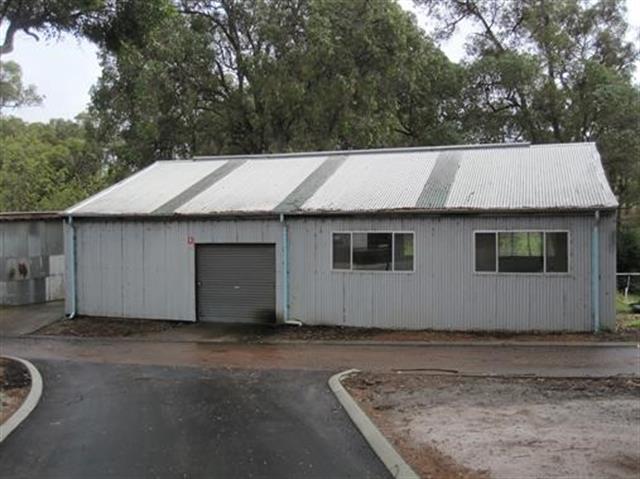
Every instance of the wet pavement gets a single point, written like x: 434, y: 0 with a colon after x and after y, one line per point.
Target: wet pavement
x: 139, y: 408
x: 19, y: 320
x: 552, y: 361
x: 131, y: 420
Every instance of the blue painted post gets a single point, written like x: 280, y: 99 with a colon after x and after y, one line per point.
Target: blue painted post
x: 595, y: 274
x: 285, y: 269
x: 72, y: 269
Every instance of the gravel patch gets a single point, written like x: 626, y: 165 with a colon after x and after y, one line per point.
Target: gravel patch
x: 451, y: 426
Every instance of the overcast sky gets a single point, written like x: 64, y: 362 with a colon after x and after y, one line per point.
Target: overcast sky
x: 64, y: 70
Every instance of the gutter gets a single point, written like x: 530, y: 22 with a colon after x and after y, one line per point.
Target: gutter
x: 595, y: 273
x: 72, y: 269
x: 380, y: 213
x: 285, y: 274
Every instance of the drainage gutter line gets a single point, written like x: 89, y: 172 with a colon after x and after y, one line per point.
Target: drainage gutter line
x: 71, y: 262
x: 595, y: 273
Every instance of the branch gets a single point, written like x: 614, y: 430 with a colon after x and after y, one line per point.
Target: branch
x: 31, y: 34
x: 7, y: 45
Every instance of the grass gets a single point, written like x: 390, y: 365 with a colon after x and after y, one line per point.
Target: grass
x: 627, y: 320
x: 633, y: 323
x: 623, y: 306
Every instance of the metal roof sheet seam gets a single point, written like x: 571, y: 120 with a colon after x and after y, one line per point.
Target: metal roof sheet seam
x: 516, y: 176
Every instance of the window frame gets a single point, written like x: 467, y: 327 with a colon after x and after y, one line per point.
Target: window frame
x: 373, y: 271
x: 544, y: 271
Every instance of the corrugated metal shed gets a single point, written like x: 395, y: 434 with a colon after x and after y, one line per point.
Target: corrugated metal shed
x: 518, y: 177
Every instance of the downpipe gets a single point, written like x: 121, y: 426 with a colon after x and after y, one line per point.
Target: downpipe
x: 595, y: 273
x: 72, y: 269
x: 285, y: 274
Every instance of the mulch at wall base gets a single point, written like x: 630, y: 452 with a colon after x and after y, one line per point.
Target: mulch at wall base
x: 248, y: 333
x: 15, y: 383
x: 105, y: 327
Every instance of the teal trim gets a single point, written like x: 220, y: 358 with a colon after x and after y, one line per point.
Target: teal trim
x: 285, y: 269
x: 72, y: 269
x: 595, y: 274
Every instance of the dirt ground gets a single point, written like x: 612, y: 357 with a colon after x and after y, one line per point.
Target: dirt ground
x: 327, y: 333
x: 478, y: 427
x: 15, y: 383
x: 107, y: 327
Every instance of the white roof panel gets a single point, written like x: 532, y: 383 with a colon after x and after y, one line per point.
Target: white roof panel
x: 374, y: 181
x: 257, y: 185
x: 148, y: 189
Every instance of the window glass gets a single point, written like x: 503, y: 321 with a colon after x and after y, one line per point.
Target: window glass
x: 485, y: 252
x: 372, y: 251
x: 557, y: 252
x: 403, y: 251
x: 341, y: 251
x: 520, y: 252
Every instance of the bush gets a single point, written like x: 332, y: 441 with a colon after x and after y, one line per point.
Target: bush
x: 628, y: 260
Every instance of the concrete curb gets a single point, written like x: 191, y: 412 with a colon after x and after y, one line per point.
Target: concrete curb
x: 397, y: 467
x: 300, y: 342
x: 29, y: 404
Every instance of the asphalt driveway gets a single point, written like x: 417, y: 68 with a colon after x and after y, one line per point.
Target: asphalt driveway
x: 114, y: 420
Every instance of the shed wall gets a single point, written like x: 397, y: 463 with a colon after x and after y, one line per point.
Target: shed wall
x: 31, y: 261
x: 136, y: 269
x: 444, y: 292
x: 141, y: 269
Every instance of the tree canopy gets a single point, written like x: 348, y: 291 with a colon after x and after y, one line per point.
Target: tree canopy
x: 47, y: 166
x: 551, y: 71
x: 184, y: 77
x: 250, y: 76
x: 13, y: 93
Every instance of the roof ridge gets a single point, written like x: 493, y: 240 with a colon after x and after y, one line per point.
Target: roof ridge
x: 412, y: 149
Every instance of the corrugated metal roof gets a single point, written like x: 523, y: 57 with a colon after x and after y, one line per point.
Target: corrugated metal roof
x: 372, y: 181
x: 256, y: 186
x: 466, y: 178
x: 148, y: 189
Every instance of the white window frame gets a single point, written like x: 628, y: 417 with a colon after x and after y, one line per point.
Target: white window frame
x: 366, y: 271
x: 544, y: 271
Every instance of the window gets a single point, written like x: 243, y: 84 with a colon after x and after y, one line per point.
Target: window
x: 522, y: 252
x: 485, y: 252
x: 403, y: 251
x: 557, y: 252
x: 372, y: 251
x: 341, y: 251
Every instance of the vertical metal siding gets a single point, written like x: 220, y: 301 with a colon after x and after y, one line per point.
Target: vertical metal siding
x: 136, y: 269
x: 444, y: 292
x: 608, y: 270
x: 147, y: 269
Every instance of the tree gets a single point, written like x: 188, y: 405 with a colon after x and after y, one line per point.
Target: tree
x: 13, y: 93
x: 628, y: 260
x: 47, y: 166
x: 109, y: 23
x: 248, y: 76
x: 551, y: 71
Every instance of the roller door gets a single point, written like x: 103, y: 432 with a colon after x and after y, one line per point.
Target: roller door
x: 236, y: 282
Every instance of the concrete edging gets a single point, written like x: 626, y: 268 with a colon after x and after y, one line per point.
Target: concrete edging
x: 397, y: 466
x: 28, y: 405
